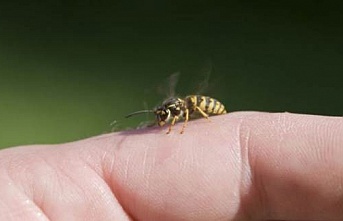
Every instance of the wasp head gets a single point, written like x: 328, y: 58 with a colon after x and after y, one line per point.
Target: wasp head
x: 162, y: 115
x: 169, y: 108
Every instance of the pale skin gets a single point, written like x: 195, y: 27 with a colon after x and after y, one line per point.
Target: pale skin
x: 239, y: 166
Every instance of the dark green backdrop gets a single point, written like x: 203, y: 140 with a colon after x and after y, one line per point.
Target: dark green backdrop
x: 69, y: 68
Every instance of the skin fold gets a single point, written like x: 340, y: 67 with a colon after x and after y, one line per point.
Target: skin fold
x: 239, y: 166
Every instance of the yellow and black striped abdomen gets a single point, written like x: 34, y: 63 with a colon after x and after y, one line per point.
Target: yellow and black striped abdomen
x: 208, y: 105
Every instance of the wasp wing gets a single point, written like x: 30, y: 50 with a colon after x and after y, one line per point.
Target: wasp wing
x: 168, y: 87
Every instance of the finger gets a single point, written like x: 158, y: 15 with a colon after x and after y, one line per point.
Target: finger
x: 56, y: 182
x: 157, y: 176
x: 297, y: 165
x: 239, y: 166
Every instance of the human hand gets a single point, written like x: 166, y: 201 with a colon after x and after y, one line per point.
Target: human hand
x: 240, y: 166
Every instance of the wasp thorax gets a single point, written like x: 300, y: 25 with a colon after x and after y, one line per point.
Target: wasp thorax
x: 174, y: 105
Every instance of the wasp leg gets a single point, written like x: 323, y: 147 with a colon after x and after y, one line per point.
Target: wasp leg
x: 186, y: 120
x: 203, y: 113
x: 172, y: 124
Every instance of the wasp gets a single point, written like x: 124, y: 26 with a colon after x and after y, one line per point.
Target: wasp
x: 174, y: 109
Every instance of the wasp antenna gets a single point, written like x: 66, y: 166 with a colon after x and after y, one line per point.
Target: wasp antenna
x: 139, y: 112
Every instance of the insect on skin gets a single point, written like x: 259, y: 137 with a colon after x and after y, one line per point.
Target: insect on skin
x: 173, y: 109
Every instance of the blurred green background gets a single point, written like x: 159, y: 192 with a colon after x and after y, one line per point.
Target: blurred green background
x: 69, y: 68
